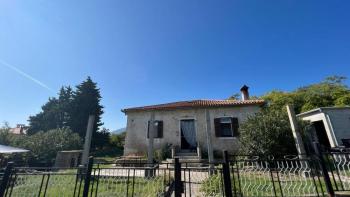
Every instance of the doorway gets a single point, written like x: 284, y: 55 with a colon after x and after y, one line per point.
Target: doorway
x: 188, y: 135
x: 322, y: 134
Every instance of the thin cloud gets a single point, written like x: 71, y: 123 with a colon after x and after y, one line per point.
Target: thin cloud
x: 26, y: 75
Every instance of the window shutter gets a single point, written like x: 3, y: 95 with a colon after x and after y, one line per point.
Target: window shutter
x: 217, y: 127
x: 148, y: 129
x: 160, y: 129
x: 235, y: 126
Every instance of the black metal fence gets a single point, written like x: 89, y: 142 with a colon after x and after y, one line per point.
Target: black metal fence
x: 235, y: 175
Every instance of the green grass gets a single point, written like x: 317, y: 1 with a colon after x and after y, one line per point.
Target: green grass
x: 257, y: 184
x: 64, y: 185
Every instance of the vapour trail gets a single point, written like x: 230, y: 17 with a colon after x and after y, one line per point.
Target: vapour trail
x: 12, y: 67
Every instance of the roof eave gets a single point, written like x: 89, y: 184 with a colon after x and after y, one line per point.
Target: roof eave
x: 190, y: 107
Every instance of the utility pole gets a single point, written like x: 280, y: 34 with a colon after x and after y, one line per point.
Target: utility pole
x: 151, y: 132
x: 208, y: 130
x: 87, y: 143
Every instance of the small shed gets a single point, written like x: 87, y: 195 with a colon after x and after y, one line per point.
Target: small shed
x: 332, y: 125
x: 68, y: 158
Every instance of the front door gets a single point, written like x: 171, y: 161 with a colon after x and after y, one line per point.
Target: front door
x: 188, y: 135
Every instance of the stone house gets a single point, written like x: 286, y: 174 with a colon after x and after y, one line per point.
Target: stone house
x: 19, y: 129
x: 332, y: 125
x: 190, y: 126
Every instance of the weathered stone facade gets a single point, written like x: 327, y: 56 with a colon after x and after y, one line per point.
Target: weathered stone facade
x: 137, y: 121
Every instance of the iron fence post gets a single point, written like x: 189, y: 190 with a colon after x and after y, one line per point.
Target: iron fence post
x: 88, y: 177
x: 6, y: 178
x: 177, y: 176
x: 326, y: 177
x: 226, y: 173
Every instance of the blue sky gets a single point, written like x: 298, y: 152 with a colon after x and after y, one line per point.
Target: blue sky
x: 149, y: 52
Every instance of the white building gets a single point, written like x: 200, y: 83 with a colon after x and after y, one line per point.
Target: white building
x: 332, y: 125
x: 190, y: 124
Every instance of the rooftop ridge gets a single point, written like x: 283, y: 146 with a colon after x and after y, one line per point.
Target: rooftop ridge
x: 197, y: 103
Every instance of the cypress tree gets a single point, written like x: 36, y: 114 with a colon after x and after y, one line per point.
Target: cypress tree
x: 86, y: 101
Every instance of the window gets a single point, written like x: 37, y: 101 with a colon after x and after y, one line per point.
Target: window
x: 226, y: 127
x: 158, y: 127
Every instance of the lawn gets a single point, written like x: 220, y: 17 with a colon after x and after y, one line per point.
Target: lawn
x: 65, y: 183
x: 260, y: 184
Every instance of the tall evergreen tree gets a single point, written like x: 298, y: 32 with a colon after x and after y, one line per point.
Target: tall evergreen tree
x: 86, y: 101
x: 55, y: 113
x: 47, y: 119
x: 65, y: 100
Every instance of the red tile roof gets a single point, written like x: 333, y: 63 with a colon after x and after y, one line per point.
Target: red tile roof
x: 196, y: 104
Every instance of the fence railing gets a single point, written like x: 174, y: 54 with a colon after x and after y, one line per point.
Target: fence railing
x: 265, y: 177
x: 235, y: 175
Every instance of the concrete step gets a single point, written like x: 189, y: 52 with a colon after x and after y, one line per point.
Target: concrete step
x: 186, y: 154
x: 187, y: 157
x: 342, y: 194
x: 189, y: 162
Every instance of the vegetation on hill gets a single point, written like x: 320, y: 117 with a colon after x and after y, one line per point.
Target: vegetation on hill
x: 269, y: 132
x: 330, y: 92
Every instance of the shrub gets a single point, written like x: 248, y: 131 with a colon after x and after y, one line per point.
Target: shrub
x: 43, y: 146
x: 268, y: 133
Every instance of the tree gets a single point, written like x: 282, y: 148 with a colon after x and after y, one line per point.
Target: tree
x: 55, y: 113
x: 86, y: 101
x: 47, y: 119
x: 101, y: 138
x: 45, y: 145
x: 330, y: 92
x: 42, y: 146
x: 267, y: 133
x: 118, y: 140
x: 65, y: 99
x: 4, y: 134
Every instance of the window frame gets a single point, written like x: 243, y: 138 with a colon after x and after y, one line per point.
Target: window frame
x: 235, y: 133
x: 157, y: 133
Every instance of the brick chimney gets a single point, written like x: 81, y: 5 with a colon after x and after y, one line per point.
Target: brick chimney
x: 245, y: 93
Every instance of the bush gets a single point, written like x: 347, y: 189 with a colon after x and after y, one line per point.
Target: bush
x: 43, y: 146
x: 163, y: 153
x: 268, y: 133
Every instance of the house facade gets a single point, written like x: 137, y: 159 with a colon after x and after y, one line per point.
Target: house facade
x: 331, y: 124
x: 189, y: 125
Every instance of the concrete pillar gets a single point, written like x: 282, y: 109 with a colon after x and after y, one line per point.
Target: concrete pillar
x: 151, y: 133
x: 330, y: 131
x: 208, y: 130
x: 87, y: 142
x: 296, y: 132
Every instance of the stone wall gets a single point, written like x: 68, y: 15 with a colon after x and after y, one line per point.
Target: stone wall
x: 136, y: 137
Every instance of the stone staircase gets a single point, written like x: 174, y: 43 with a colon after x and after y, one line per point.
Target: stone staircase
x: 191, y: 159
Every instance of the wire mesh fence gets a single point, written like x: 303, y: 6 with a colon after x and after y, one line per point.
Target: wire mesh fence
x: 338, y: 167
x: 131, y: 181
x: 45, y: 182
x: 246, y: 176
x: 252, y: 176
x: 202, y: 179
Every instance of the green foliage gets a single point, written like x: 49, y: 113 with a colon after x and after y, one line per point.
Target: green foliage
x: 5, y: 138
x: 212, y: 186
x: 113, y: 147
x: 330, y: 92
x: 72, y: 109
x: 267, y: 133
x: 43, y: 146
x: 63, y: 183
x: 163, y: 153
x: 117, y: 140
x: 86, y: 101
